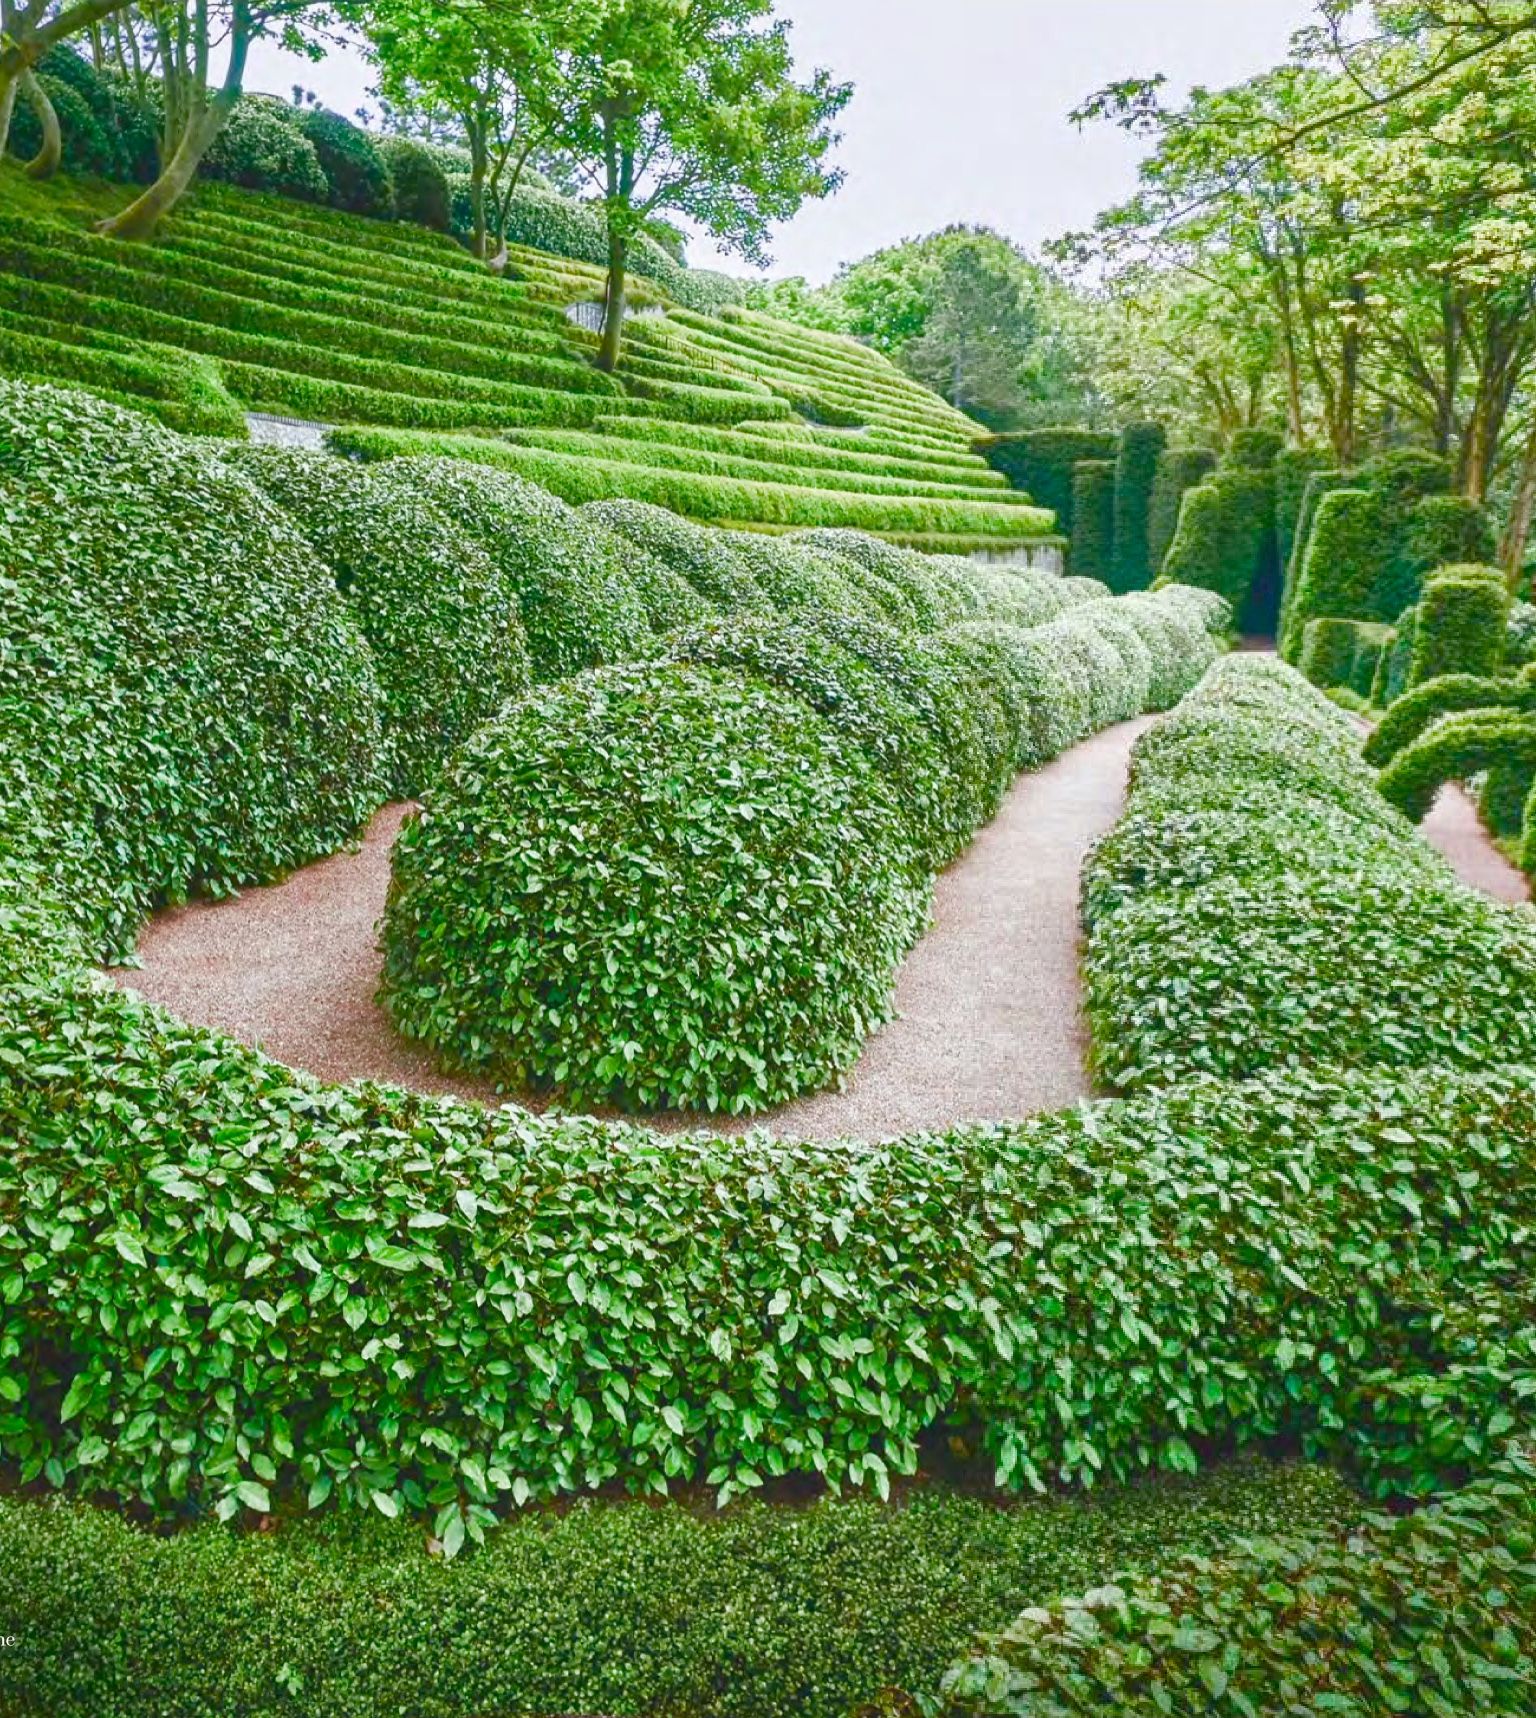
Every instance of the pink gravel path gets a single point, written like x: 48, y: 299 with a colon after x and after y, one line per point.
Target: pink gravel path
x: 989, y: 1024
x: 1456, y: 829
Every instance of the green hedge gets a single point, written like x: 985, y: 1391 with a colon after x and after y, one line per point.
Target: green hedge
x: 421, y: 188
x: 1225, y: 535
x: 357, y: 175
x: 261, y: 148
x: 445, y: 626
x: 1456, y: 747
x: 1178, y: 469
x: 1254, y: 449
x: 601, y: 1608
x: 1042, y: 463
x: 1348, y: 547
x: 189, y: 703
x: 1463, y: 616
x: 1141, y: 447
x: 652, y: 887
x: 1343, y: 653
x: 1295, y: 468
x: 1435, y: 1613
x: 1417, y: 710
x: 706, y: 559
x: 1305, y: 960
x: 1093, y: 519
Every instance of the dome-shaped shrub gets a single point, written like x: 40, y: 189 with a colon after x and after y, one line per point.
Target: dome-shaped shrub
x: 700, y: 553
x: 263, y: 149
x: 652, y: 886
x: 795, y: 576
x: 580, y: 608
x: 929, y: 589
x: 357, y: 174
x: 445, y: 627
x: 421, y: 186
x: 188, y: 703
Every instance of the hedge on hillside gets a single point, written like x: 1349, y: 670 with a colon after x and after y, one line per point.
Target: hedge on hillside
x: 357, y: 175
x: 1093, y: 519
x: 1456, y: 747
x: 1463, y: 616
x: 1178, y: 469
x: 847, y: 1598
x: 656, y: 887
x: 1308, y: 962
x: 1042, y: 462
x: 579, y: 606
x: 1141, y: 447
x: 1417, y: 710
x: 1225, y: 534
x: 421, y: 188
x: 189, y: 703
x: 445, y: 626
x: 1432, y: 1613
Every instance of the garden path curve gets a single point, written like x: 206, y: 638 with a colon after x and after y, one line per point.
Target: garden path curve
x: 989, y: 1024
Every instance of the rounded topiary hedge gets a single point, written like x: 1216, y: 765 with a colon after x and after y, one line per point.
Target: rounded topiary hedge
x: 699, y: 554
x: 188, y: 702
x: 652, y: 886
x: 579, y: 604
x: 446, y: 628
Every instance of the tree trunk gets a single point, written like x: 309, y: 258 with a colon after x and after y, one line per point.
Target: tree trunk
x: 7, y: 108
x: 478, y: 168
x: 48, y: 159
x: 1517, y: 534
x: 140, y: 219
x: 613, y: 312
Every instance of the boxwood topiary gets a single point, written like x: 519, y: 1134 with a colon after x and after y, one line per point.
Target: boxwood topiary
x: 1141, y: 447
x: 1179, y: 469
x: 652, y: 886
x: 446, y: 629
x: 1463, y: 616
x: 356, y: 173
x: 1456, y: 747
x: 580, y: 607
x: 1415, y: 711
x: 1093, y: 519
x: 932, y: 593
x: 421, y: 186
x: 188, y: 702
x: 1041, y: 462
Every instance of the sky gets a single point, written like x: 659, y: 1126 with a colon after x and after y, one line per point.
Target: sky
x: 960, y: 111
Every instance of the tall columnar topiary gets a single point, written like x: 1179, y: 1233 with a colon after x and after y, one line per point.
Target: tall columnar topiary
x: 1295, y: 468
x: 653, y: 886
x: 1093, y: 519
x: 1225, y: 536
x: 1318, y: 484
x: 1141, y: 445
x: 1347, y: 548
x: 1463, y: 615
x: 1179, y: 469
x: 1041, y: 462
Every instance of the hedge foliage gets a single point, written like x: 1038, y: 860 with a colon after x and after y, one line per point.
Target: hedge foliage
x: 445, y: 625
x: 1093, y: 519
x: 357, y: 175
x: 1225, y: 534
x: 1343, y: 653
x: 601, y: 1608
x: 1141, y: 448
x: 1043, y: 462
x: 1456, y: 747
x: 188, y: 701
x: 1462, y: 620
x: 1435, y: 1613
x: 707, y: 560
x: 1295, y: 467
x: 1299, y: 954
x: 1416, y: 711
x: 1178, y: 469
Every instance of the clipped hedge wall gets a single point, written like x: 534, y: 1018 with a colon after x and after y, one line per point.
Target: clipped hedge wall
x: 1141, y: 447
x: 1349, y: 545
x: 1225, y: 535
x: 1343, y: 653
x: 1462, y: 619
x: 1178, y: 469
x: 1456, y: 747
x: 1042, y: 463
x: 445, y: 626
x: 1295, y: 468
x: 1093, y: 519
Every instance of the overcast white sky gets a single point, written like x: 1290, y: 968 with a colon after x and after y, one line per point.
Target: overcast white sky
x: 961, y: 107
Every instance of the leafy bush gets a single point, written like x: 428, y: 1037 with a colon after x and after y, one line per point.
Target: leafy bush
x: 579, y: 606
x: 1456, y: 747
x: 1520, y: 637
x: 421, y: 187
x: 1141, y: 447
x: 356, y: 172
x: 1310, y: 963
x: 1437, y: 531
x: 88, y: 147
x: 1318, y: 484
x: 706, y: 559
x: 1042, y: 463
x: 1225, y: 535
x: 935, y: 597
x: 1178, y: 469
x: 1418, y: 710
x: 847, y: 1598
x: 189, y: 704
x: 656, y: 887
x: 1462, y: 619
x: 1432, y: 1613
x: 445, y: 626
x: 1093, y: 519
x: 1348, y: 549
x: 262, y: 148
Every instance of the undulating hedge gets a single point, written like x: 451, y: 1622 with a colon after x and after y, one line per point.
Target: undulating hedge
x: 605, y: 1607
x: 1435, y: 1613
x: 188, y: 700
x: 1462, y: 620
x: 1042, y: 463
x: 445, y: 624
x: 1178, y: 469
x: 1136, y: 466
x: 1093, y: 519
x: 1456, y: 747
x: 1301, y: 957
x: 706, y: 560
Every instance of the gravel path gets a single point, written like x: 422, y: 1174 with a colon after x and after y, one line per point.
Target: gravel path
x: 989, y: 1024
x: 1456, y: 829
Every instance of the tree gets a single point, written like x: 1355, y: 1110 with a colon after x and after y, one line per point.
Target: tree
x: 979, y: 329
x: 689, y: 106
x: 474, y: 60
x: 28, y: 29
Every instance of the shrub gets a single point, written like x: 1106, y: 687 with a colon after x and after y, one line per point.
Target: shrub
x: 1042, y: 463
x: 421, y: 187
x: 1462, y: 620
x: 1141, y: 447
x: 1254, y: 449
x: 357, y: 174
x: 847, y: 1598
x: 1437, y: 531
x: 579, y: 606
x: 88, y: 146
x: 1343, y: 653
x: 1404, y: 475
x: 263, y: 149
x: 1178, y: 469
x: 796, y: 576
x: 1396, y: 664
x: 1293, y: 1622
x: 1348, y: 547
x: 1225, y: 535
x: 1295, y: 468
x: 445, y: 626
x: 1318, y: 484
x: 1417, y: 710
x: 1310, y: 963
x: 657, y: 887
x: 934, y: 598
x: 1093, y: 519
x: 188, y: 703
x: 705, y: 558
x: 1456, y: 747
